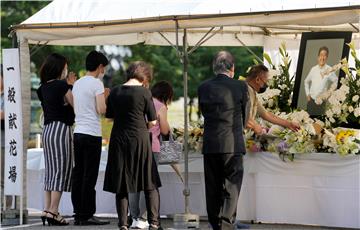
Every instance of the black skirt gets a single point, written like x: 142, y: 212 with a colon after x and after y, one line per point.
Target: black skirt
x: 131, y: 166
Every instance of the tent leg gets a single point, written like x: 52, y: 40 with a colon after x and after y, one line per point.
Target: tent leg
x: 186, y: 220
x: 186, y: 191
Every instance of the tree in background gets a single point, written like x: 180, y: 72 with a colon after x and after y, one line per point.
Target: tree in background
x: 15, y: 12
x: 167, y: 65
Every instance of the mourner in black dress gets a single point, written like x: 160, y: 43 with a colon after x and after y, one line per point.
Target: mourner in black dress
x: 131, y: 166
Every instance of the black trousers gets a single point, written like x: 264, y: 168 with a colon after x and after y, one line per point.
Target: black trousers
x: 87, y: 151
x: 315, y: 109
x: 223, y: 178
x: 152, y: 199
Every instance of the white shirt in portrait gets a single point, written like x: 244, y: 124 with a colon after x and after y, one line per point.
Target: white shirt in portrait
x: 315, y: 84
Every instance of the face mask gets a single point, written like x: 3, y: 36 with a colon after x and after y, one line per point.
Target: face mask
x: 64, y: 73
x: 232, y: 74
x: 263, y: 89
x: 101, y: 76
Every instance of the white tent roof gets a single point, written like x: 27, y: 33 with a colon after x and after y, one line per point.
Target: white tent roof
x: 124, y: 22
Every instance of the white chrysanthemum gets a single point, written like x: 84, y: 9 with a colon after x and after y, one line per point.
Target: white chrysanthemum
x: 344, y: 80
x: 289, y: 101
x: 301, y: 117
x: 275, y: 130
x: 310, y: 129
x: 344, y: 107
x: 329, y: 113
x: 273, y: 72
x: 357, y: 112
x: 327, y: 123
x: 261, y: 99
x: 271, y: 102
x: 355, y: 98
x: 337, y: 110
x: 329, y: 139
x: 318, y: 100
x: 344, y: 88
x: 351, y: 109
x: 333, y: 100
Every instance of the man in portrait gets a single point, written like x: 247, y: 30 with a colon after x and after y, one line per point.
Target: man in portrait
x: 319, y: 80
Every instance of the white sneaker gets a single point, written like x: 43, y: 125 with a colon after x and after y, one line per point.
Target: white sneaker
x: 139, y: 224
x: 134, y: 223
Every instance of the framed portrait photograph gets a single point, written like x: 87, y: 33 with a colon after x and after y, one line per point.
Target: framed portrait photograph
x: 316, y: 71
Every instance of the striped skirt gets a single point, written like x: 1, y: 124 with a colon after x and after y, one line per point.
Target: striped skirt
x: 57, y: 139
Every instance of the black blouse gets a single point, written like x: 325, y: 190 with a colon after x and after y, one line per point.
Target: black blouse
x: 52, y: 97
x: 131, y: 107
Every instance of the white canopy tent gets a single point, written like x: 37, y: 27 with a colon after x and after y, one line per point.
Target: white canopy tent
x: 92, y: 22
x: 197, y: 22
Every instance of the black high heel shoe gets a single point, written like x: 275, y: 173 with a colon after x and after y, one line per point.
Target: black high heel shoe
x: 56, y: 219
x: 43, y: 216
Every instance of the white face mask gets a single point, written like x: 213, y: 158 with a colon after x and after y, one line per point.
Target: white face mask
x: 101, y: 76
x: 64, y: 73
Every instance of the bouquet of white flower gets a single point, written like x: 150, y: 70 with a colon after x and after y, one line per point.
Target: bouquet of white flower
x: 195, y: 140
x: 279, y: 95
x: 343, y: 107
x: 342, y: 141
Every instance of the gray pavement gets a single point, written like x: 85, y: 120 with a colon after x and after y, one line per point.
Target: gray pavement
x: 35, y: 223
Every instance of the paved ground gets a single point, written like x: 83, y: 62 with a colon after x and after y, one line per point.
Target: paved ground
x: 34, y: 223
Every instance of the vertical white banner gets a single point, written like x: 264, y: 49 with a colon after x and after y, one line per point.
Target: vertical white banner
x: 13, y: 174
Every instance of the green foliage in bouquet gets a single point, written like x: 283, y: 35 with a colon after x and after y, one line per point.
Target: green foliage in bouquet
x: 282, y: 81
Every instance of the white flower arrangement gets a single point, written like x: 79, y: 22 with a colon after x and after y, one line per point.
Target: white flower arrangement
x: 269, y: 98
x: 342, y: 141
x: 281, y: 85
x: 195, y: 140
x: 343, y: 105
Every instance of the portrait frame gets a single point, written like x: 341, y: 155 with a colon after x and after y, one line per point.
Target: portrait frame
x: 310, y: 44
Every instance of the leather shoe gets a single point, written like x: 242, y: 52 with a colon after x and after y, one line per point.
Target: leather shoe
x: 93, y: 221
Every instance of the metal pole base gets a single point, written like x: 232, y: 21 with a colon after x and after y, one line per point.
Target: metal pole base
x: 186, y: 220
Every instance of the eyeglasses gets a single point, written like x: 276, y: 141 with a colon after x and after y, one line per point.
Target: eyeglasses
x: 263, y: 81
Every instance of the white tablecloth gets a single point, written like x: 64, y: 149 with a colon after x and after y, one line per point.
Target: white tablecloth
x: 317, y: 189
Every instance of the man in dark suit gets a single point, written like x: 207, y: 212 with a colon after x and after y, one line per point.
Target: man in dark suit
x: 222, y: 101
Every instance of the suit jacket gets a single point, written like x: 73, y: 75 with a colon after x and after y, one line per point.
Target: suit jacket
x: 222, y: 101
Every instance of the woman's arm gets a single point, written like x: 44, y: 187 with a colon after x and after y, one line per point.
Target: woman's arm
x: 151, y: 124
x: 164, y: 124
x: 69, y: 98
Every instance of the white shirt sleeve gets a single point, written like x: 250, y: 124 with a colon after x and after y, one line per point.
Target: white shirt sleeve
x: 99, y: 87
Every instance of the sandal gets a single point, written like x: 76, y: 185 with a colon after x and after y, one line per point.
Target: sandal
x: 43, y: 216
x: 56, y: 219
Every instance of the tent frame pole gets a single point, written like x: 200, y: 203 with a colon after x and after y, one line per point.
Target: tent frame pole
x: 187, y: 219
x: 185, y: 58
x: 205, y: 38
x: 37, y: 47
x: 248, y: 49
